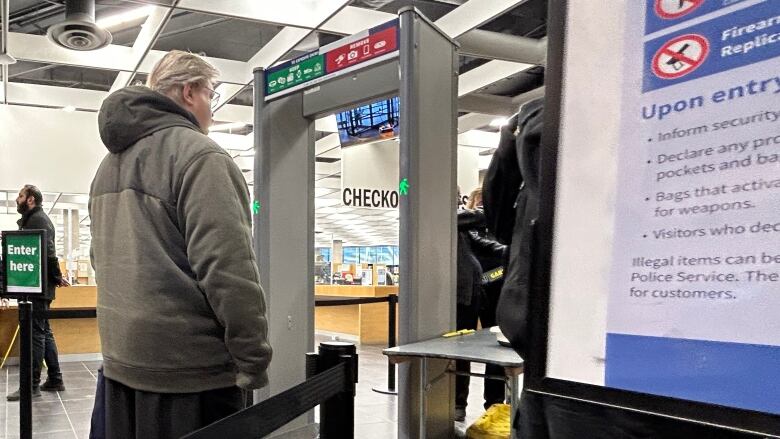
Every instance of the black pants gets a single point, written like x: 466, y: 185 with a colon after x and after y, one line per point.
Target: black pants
x: 494, y: 389
x: 44, y: 346
x: 467, y: 317
x: 134, y: 414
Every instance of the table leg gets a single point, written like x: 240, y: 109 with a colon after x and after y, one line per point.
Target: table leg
x: 514, y: 389
x: 423, y: 384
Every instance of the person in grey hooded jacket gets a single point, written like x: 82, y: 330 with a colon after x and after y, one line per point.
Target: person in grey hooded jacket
x: 181, y: 312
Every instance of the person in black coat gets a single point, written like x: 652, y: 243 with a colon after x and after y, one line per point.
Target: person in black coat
x: 29, y: 204
x: 471, y: 299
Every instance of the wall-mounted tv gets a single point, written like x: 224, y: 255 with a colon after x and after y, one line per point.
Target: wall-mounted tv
x: 368, y: 123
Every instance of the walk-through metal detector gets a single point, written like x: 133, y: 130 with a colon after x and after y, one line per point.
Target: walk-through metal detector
x: 418, y: 62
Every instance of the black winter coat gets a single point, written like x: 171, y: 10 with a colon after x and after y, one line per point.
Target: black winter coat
x: 469, y: 281
x: 510, y: 193
x: 476, y: 254
x: 489, y: 252
x: 36, y: 219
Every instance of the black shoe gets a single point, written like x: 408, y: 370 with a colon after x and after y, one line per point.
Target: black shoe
x: 460, y: 414
x: 36, y: 393
x: 53, y: 386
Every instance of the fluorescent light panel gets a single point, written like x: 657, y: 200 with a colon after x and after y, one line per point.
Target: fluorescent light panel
x: 117, y: 20
x: 228, y: 126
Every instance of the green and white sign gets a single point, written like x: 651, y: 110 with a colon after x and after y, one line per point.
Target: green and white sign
x: 23, y: 259
x: 299, y: 71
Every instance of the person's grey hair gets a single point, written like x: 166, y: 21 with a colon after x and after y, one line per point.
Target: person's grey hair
x: 178, y: 68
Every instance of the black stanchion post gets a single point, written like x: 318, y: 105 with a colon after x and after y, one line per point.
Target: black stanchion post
x: 25, y: 369
x: 392, y: 303
x: 337, y: 415
x: 391, y: 342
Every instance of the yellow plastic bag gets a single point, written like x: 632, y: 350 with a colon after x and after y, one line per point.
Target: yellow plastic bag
x: 493, y: 424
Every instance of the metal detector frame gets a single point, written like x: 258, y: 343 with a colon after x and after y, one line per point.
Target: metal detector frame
x: 424, y: 74
x: 536, y: 379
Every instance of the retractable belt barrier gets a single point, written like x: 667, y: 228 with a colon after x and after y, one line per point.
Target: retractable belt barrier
x: 392, y: 303
x: 54, y: 314
x: 331, y: 373
x: 350, y: 300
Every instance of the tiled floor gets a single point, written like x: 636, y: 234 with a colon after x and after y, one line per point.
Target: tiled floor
x: 56, y: 415
x: 66, y: 415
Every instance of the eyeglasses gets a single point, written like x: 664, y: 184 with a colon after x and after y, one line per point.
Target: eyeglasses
x: 214, y: 98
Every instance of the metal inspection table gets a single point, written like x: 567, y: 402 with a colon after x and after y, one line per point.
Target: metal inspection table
x: 479, y: 347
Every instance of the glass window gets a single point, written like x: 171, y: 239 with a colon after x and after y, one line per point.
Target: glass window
x: 351, y: 255
x: 370, y: 253
x: 384, y: 254
x: 322, y: 254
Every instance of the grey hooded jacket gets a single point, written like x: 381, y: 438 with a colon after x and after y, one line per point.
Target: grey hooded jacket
x: 180, y: 307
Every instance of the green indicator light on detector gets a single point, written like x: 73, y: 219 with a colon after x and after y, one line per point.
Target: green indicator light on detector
x: 255, y: 207
x: 403, y: 187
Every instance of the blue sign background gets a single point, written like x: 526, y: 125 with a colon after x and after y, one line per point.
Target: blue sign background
x: 712, y: 31
x: 732, y: 374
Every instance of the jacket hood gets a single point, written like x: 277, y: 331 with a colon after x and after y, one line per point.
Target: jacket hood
x: 133, y: 113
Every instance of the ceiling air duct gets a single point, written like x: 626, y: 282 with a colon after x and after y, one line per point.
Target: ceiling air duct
x: 79, y: 31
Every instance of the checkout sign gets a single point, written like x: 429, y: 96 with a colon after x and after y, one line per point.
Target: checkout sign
x: 23, y: 261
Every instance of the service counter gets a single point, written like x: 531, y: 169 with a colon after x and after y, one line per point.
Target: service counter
x: 73, y: 336
x: 367, y: 322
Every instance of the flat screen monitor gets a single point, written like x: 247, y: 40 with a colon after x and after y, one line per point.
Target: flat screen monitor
x: 369, y: 123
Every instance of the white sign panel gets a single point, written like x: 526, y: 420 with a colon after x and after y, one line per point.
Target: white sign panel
x: 695, y: 275
x: 369, y: 175
x: 665, y: 219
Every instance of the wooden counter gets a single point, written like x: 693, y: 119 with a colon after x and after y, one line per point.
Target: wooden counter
x: 73, y: 336
x: 366, y: 322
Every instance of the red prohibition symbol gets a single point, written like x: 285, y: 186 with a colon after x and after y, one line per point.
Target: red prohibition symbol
x: 680, y: 56
x: 671, y: 9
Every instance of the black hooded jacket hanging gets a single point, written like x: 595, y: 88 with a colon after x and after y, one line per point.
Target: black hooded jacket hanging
x: 510, y: 193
